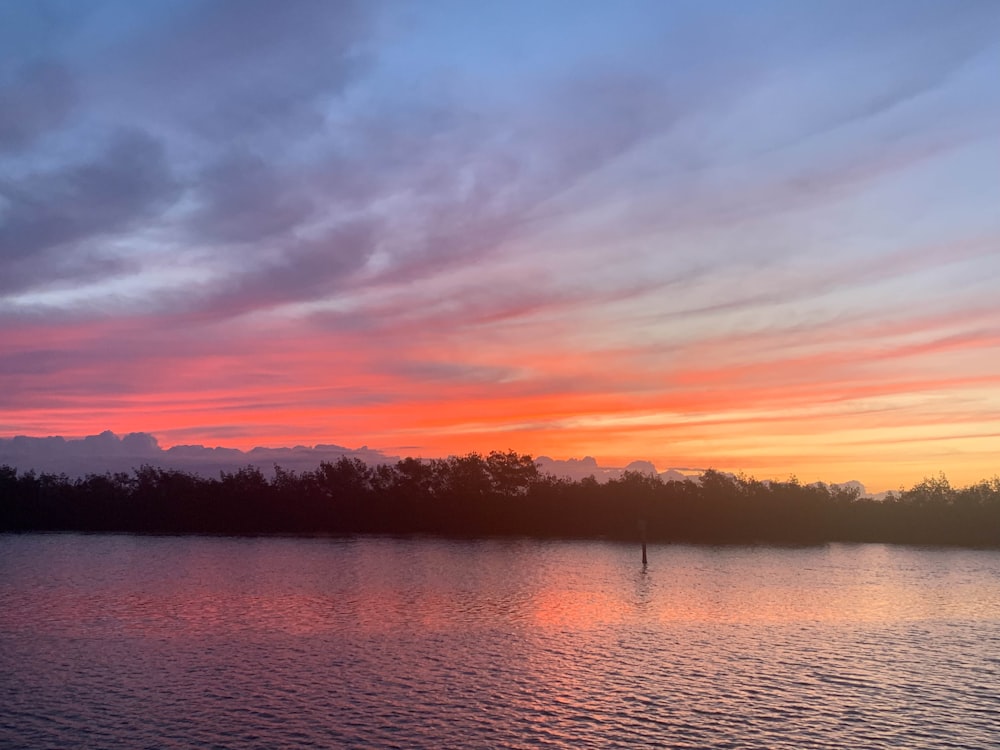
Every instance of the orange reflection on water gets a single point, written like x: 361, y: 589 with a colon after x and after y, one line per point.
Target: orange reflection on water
x: 386, y: 587
x: 840, y: 584
x: 561, y: 608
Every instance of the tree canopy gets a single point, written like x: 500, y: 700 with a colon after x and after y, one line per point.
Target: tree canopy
x: 497, y: 494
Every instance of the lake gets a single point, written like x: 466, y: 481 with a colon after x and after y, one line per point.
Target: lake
x: 182, y: 642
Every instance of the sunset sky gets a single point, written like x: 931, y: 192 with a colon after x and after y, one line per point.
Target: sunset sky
x: 754, y: 236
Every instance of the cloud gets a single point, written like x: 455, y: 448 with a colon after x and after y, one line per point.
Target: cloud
x: 107, y: 452
x: 424, y: 226
x: 300, y: 271
x: 232, y: 68
x: 468, y: 180
x: 456, y: 194
x: 243, y: 198
x: 97, y: 454
x: 38, y: 99
x: 128, y: 182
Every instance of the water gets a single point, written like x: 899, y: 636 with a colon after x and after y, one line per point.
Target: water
x: 184, y: 642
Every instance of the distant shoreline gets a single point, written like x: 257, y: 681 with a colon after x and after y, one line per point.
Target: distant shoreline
x: 499, y: 495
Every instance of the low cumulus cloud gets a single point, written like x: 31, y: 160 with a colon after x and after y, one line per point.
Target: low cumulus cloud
x: 97, y: 454
x: 107, y: 452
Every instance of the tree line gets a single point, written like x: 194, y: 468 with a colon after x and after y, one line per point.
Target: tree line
x: 500, y: 494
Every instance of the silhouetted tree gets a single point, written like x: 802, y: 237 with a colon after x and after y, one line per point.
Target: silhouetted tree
x: 502, y: 493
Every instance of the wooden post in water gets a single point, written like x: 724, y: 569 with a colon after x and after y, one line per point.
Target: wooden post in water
x: 642, y: 534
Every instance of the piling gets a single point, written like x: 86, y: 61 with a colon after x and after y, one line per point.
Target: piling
x: 642, y: 535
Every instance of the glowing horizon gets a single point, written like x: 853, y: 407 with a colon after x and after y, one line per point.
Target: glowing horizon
x: 679, y: 232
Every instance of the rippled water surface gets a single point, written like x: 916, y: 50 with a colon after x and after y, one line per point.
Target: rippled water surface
x: 176, y: 642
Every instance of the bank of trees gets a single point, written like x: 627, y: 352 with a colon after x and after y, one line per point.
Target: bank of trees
x: 497, y: 494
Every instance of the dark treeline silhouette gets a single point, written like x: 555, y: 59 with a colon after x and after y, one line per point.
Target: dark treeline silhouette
x: 500, y: 494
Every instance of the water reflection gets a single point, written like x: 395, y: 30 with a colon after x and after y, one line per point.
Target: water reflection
x: 643, y: 591
x: 313, y: 586
x: 424, y: 643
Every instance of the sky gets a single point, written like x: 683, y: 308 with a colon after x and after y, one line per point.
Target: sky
x: 753, y: 236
